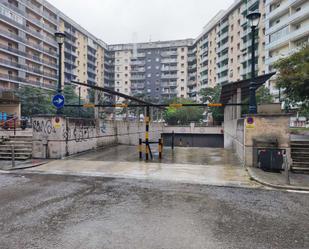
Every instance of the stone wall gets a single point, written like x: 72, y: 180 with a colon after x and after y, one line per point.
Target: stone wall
x: 193, y: 129
x: 234, y: 136
x: 266, y: 129
x: 70, y: 136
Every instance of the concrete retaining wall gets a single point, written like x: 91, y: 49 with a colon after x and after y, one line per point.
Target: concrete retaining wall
x: 234, y: 136
x: 193, y: 129
x: 70, y: 136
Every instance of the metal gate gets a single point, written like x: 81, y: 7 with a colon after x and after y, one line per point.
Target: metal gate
x: 194, y: 140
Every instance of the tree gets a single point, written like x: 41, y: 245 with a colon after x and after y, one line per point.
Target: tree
x: 35, y: 101
x: 293, y: 78
x: 263, y: 96
x: 183, y: 115
x: 212, y: 95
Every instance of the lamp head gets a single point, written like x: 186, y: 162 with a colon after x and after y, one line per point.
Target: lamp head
x: 254, y: 19
x: 60, y: 37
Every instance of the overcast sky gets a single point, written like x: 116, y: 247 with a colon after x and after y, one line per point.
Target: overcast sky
x: 116, y: 21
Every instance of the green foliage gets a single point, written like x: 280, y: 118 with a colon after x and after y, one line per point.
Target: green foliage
x: 293, y: 78
x: 35, y: 101
x: 263, y: 96
x: 212, y: 95
x: 183, y: 115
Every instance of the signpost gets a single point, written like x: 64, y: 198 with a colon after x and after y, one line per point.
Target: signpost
x: 58, y: 101
x: 250, y: 123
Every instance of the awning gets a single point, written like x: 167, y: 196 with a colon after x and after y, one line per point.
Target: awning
x: 230, y: 89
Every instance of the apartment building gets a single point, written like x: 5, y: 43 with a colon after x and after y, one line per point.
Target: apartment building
x: 223, y: 50
x: 156, y: 70
x: 287, y: 30
x: 29, y: 52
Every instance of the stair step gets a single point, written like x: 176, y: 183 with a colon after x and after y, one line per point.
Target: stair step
x: 16, y: 153
x: 301, y: 163
x: 17, y: 158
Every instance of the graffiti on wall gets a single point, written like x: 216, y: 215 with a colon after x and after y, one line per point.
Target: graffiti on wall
x: 43, y: 126
x: 79, y: 130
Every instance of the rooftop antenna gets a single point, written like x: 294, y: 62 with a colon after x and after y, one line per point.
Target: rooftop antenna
x: 134, y: 39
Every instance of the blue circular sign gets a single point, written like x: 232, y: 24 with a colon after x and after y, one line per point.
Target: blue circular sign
x: 58, y: 101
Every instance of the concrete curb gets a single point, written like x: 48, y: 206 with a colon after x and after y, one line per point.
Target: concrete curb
x: 256, y: 178
x: 26, y: 167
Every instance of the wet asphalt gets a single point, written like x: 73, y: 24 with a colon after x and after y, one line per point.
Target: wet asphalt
x: 45, y: 211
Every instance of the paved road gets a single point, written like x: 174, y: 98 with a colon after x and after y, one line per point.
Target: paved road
x: 65, y: 212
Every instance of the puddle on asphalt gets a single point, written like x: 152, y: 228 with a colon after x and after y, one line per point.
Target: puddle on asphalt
x: 180, y: 155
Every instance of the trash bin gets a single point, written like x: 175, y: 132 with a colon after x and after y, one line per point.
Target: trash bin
x: 267, y: 155
x: 23, y: 124
x: 270, y: 159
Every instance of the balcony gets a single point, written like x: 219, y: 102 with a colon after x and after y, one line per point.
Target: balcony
x: 138, y: 77
x: 204, y: 77
x: 222, y: 57
x: 141, y: 55
x: 168, y: 69
x: 169, y: 76
x: 26, y: 68
x: 284, y: 7
x: 295, y: 17
x: 286, y: 37
x: 169, y: 53
x: 27, y: 56
x: 167, y: 61
x: 169, y: 84
x: 17, y: 38
x: 24, y: 81
x: 222, y: 48
x: 223, y: 79
x: 138, y: 63
x: 222, y: 68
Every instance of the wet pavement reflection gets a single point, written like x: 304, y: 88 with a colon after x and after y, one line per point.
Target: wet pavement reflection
x: 187, y: 165
x: 186, y: 155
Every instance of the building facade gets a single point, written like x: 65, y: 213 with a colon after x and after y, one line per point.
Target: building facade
x: 154, y: 70
x: 287, y: 30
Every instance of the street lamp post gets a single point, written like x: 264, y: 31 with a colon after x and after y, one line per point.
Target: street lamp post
x: 60, y: 40
x: 253, y: 19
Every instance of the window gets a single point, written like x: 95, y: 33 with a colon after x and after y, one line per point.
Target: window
x: 182, y: 65
x: 149, y: 67
x: 126, y: 82
x: 182, y: 49
x: 232, y: 38
x: 182, y: 88
x: 126, y: 75
x: 149, y: 75
x: 125, y: 68
x: 149, y: 52
x: 182, y: 57
x: 157, y: 59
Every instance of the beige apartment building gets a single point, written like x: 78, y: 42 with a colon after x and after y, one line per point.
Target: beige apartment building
x: 287, y: 30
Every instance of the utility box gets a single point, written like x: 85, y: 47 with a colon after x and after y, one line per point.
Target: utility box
x: 270, y: 159
x: 267, y: 155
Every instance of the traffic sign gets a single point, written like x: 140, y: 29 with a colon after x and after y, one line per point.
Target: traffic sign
x: 58, y: 101
x: 250, y: 123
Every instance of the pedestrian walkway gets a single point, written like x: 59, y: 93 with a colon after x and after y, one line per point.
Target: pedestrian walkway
x: 185, y: 165
x: 278, y: 180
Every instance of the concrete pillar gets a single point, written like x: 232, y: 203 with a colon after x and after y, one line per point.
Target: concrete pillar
x: 238, y: 100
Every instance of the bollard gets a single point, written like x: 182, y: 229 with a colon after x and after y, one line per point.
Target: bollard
x: 286, y: 169
x: 140, y: 148
x: 160, y: 148
x: 13, y: 156
x: 147, y: 119
x: 173, y: 139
